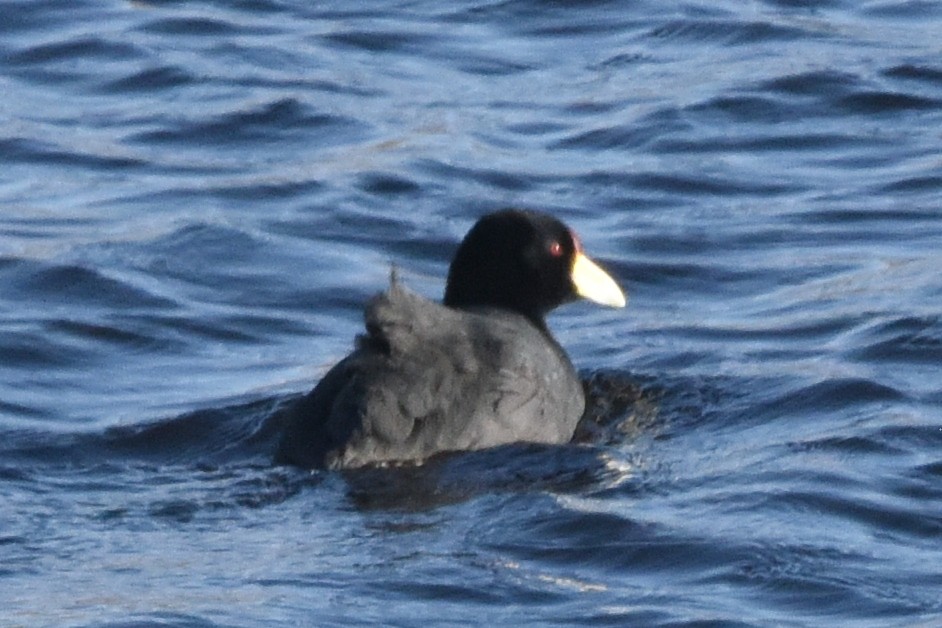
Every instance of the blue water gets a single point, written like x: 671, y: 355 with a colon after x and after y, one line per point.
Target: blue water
x: 198, y: 197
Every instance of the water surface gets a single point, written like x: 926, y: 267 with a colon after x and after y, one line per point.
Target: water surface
x: 198, y: 198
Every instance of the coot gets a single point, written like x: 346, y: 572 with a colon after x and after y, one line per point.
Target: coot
x: 480, y: 369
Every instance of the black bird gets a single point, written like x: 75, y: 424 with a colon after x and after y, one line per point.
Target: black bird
x: 477, y: 371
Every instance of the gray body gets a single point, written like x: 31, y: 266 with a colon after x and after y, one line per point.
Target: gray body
x: 426, y: 378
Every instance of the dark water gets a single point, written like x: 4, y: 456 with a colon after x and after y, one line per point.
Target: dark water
x: 197, y: 197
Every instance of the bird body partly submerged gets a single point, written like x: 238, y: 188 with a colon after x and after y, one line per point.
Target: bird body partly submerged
x: 425, y: 379
x: 479, y: 370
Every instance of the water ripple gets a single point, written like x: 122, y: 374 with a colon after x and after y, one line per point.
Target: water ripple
x: 84, y: 47
x: 75, y: 287
x: 259, y: 123
x: 730, y: 32
x: 903, y: 340
x: 834, y: 394
x: 191, y: 26
x: 29, y: 151
x: 150, y: 80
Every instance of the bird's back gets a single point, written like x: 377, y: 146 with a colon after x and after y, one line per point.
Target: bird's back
x: 426, y: 378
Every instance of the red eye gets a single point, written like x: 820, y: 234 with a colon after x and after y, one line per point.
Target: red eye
x: 556, y: 249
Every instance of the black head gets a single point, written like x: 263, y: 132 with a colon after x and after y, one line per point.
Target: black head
x: 526, y: 262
